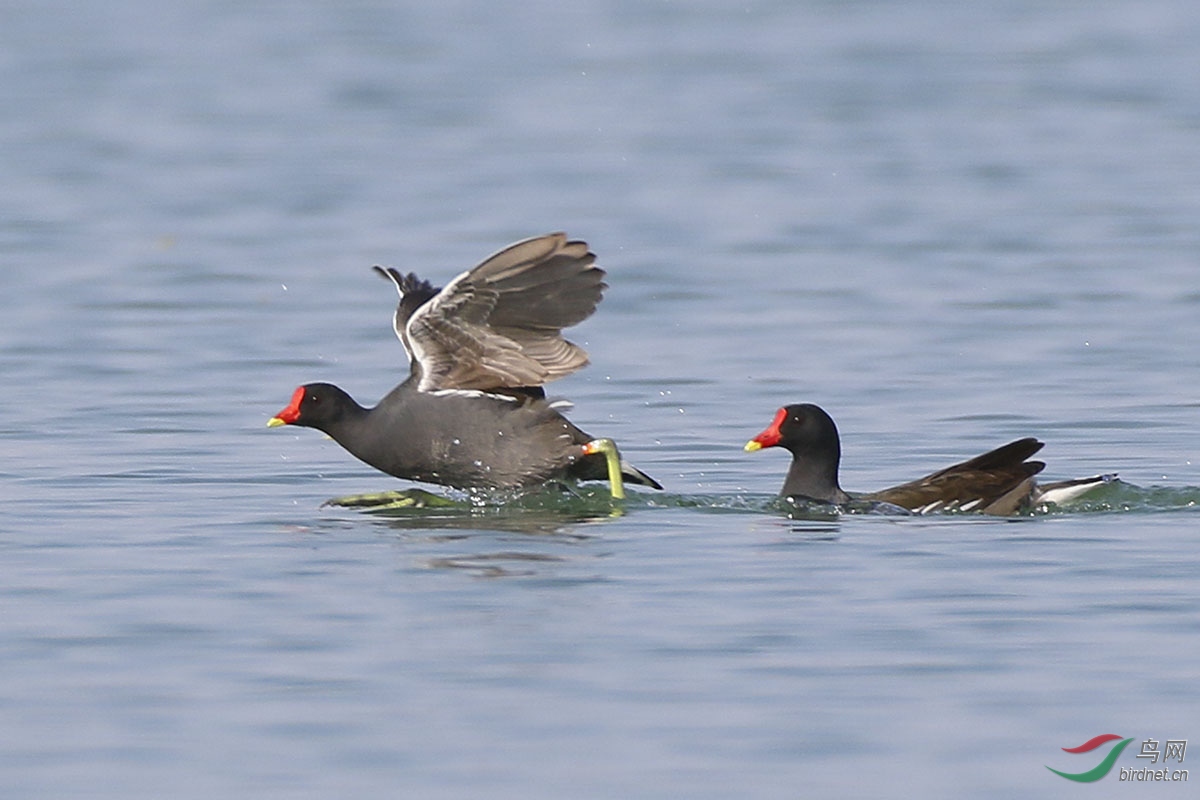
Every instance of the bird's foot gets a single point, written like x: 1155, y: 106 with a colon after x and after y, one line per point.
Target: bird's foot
x: 403, y: 498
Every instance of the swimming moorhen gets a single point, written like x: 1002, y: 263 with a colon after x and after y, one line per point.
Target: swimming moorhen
x: 472, y: 413
x: 999, y: 482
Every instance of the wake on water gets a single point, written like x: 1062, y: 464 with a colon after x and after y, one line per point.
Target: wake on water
x: 575, y: 503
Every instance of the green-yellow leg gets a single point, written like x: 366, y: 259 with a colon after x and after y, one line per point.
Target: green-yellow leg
x: 404, y: 498
x: 612, y: 457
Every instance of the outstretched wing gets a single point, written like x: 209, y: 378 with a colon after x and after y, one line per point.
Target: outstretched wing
x: 500, y: 324
x: 414, y: 293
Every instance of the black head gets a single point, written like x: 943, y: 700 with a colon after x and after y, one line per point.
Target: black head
x: 808, y: 433
x: 315, y: 405
x: 802, y: 429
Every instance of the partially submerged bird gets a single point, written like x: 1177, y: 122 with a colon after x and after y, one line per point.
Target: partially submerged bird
x: 999, y: 482
x: 472, y: 413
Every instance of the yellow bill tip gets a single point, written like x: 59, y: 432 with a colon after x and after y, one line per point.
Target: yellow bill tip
x: 275, y: 422
x: 751, y: 446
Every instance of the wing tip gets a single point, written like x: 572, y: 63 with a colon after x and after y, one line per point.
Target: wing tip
x: 405, y: 283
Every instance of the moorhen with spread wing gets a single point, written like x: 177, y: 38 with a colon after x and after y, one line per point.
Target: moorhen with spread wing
x: 472, y: 413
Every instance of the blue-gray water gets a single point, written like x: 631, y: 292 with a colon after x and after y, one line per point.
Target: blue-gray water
x: 951, y: 224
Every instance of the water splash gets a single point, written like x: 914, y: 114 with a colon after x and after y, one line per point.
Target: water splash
x: 583, y: 503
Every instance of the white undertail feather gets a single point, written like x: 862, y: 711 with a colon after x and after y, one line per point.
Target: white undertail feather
x: 1067, y: 491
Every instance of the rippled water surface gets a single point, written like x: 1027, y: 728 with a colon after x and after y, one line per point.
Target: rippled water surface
x: 950, y: 225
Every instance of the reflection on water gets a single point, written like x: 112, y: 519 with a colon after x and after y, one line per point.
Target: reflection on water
x: 495, y: 565
x: 567, y: 524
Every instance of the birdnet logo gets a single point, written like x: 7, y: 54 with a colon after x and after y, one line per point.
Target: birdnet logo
x: 1171, y: 749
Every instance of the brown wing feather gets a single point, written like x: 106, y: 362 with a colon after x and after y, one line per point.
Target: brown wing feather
x: 984, y: 479
x: 500, y: 324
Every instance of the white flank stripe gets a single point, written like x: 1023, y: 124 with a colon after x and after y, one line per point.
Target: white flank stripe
x: 476, y: 393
